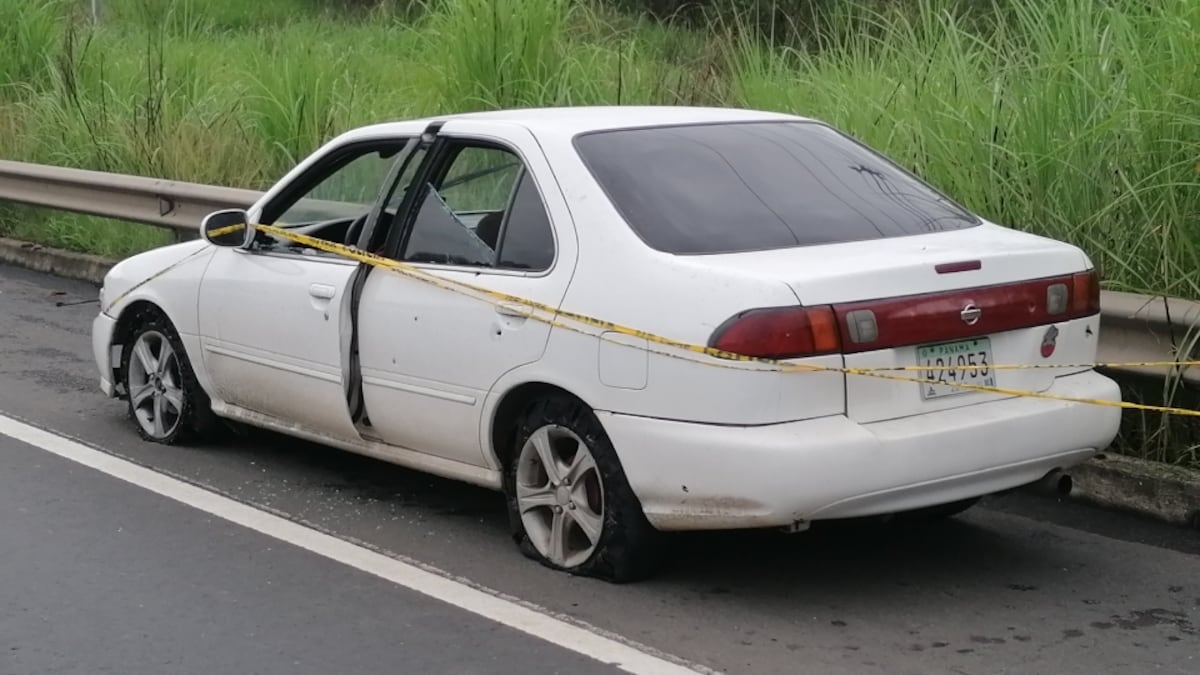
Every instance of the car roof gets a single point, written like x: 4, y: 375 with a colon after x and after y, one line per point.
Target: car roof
x: 574, y: 120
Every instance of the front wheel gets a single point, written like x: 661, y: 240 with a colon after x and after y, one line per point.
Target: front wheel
x: 570, y: 504
x: 165, y: 401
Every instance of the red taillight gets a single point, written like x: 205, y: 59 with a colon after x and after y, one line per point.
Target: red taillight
x: 779, y: 333
x: 792, y: 332
x: 1085, y: 294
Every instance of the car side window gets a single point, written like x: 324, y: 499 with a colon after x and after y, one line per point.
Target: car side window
x: 528, y: 240
x: 349, y: 190
x: 480, y: 180
x: 332, y: 199
x: 482, y: 209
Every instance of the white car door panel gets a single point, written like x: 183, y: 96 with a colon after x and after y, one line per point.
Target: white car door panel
x: 275, y: 317
x: 274, y: 336
x: 430, y: 355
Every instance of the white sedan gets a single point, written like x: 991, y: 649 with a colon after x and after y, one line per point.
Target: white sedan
x: 753, y: 233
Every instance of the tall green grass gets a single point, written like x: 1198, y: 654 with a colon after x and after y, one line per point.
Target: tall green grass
x: 1077, y: 118
x: 28, y: 37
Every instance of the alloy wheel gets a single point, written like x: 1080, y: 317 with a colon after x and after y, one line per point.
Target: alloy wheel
x: 560, y: 495
x: 155, y: 385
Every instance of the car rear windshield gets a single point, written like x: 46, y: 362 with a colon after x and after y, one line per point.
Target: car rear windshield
x: 733, y: 187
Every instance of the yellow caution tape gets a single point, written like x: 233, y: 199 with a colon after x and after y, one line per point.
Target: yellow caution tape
x: 694, y: 351
x: 150, y: 278
x: 229, y: 229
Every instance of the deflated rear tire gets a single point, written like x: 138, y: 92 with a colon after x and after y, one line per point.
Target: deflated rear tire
x: 166, y: 404
x: 570, y: 505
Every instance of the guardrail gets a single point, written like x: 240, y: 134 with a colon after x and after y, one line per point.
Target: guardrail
x: 1134, y: 327
x: 174, y: 205
x: 1147, y: 328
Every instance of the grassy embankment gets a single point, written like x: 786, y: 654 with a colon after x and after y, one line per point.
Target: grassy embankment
x: 1079, y: 119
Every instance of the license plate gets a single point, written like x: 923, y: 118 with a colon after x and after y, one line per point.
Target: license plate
x: 955, y: 363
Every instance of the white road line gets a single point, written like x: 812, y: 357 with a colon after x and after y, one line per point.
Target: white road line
x: 492, y: 607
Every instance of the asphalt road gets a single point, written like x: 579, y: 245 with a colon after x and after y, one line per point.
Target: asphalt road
x: 102, y: 576
x: 1020, y: 584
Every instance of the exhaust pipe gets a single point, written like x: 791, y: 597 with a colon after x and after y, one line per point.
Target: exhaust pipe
x: 1056, y: 484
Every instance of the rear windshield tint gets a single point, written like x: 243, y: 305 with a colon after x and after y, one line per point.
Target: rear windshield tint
x: 725, y: 188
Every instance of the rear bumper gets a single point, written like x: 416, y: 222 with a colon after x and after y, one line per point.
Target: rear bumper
x: 103, y: 328
x: 695, y: 476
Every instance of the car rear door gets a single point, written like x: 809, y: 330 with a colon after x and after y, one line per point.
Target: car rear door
x: 485, y: 211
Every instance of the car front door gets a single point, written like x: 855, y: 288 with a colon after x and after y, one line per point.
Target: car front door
x: 486, y: 211
x: 275, y: 317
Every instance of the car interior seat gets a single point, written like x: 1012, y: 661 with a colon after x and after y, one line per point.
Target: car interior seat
x: 488, y: 228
